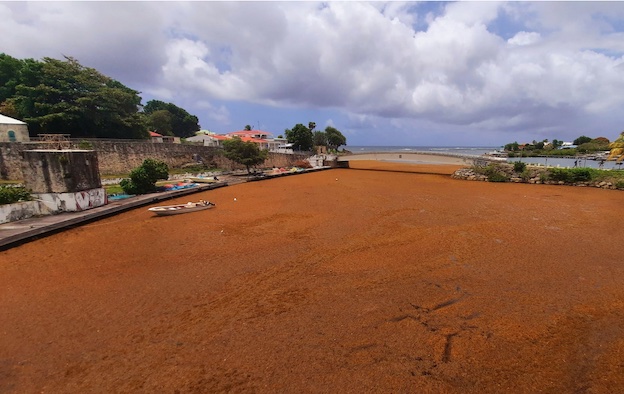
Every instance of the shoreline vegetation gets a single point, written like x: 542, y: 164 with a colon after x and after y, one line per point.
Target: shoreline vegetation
x: 519, y: 172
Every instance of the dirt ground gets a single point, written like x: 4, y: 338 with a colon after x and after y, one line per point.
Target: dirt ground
x: 344, y: 280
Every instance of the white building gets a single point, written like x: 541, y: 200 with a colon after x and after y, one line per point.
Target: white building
x: 13, y: 130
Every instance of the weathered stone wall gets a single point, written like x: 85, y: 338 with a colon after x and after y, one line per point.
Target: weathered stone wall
x: 120, y: 157
x: 60, y: 171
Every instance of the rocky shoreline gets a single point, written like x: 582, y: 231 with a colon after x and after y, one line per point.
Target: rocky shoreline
x: 532, y: 174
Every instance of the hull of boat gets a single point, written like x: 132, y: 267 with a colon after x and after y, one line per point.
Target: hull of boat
x: 168, y: 210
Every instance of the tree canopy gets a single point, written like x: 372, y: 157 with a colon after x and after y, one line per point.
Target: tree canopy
x: 178, y: 123
x: 334, y: 138
x: 245, y: 153
x: 319, y: 138
x: 581, y: 140
x: 64, y: 97
x: 301, y: 137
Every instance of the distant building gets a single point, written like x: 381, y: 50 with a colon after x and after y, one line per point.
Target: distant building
x: 261, y: 138
x: 163, y: 138
x: 567, y: 145
x: 13, y: 130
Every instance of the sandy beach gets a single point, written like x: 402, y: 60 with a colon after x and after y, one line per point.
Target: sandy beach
x: 385, y: 277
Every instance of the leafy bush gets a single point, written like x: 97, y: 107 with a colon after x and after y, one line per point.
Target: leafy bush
x: 620, y: 184
x: 495, y: 174
x: 143, y: 178
x: 519, y: 166
x: 12, y: 194
x: 571, y: 175
x: 86, y: 145
x: 525, y: 175
x: 497, y: 177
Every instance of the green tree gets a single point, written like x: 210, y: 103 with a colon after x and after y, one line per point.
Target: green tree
x: 64, y: 97
x: 334, y: 138
x: 301, y: 137
x: 247, y: 127
x: 183, y: 124
x: 245, y: 153
x: 581, y: 140
x: 10, y: 70
x: 160, y: 121
x: 143, y: 178
x: 319, y: 138
x: 513, y: 146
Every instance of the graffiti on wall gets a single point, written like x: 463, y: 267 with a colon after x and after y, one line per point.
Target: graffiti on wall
x: 90, y: 198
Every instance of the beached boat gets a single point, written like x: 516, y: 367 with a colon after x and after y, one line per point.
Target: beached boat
x: 167, y: 210
x: 204, y: 180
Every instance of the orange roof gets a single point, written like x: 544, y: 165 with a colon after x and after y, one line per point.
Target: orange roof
x: 250, y: 132
x: 154, y: 134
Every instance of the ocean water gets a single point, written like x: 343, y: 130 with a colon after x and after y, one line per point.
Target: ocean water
x: 480, y: 150
x: 460, y: 150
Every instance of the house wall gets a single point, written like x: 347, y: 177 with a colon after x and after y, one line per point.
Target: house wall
x: 20, y: 130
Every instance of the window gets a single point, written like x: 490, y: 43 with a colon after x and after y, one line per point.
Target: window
x: 12, y: 136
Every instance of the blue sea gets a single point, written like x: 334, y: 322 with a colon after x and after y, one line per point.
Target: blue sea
x: 480, y: 150
x: 460, y: 150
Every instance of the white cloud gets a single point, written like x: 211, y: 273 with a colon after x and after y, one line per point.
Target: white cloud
x: 524, y: 38
x: 561, y: 64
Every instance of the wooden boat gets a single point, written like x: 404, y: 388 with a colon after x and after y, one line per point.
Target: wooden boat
x: 204, y: 180
x: 167, y: 210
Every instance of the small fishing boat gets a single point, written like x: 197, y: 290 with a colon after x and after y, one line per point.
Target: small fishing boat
x: 201, y: 179
x: 167, y: 210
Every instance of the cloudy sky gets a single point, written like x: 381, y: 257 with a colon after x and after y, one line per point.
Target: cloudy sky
x: 383, y: 73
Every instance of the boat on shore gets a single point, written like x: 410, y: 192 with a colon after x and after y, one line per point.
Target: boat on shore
x: 204, y: 180
x: 168, y: 210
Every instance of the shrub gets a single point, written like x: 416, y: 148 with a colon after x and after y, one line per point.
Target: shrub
x: 619, y: 184
x: 12, y: 194
x: 86, y: 145
x: 143, y: 178
x: 525, y: 175
x: 571, y: 175
x: 519, y: 166
x: 497, y: 177
x: 495, y: 174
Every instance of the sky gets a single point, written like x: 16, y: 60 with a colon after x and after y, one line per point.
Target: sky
x: 383, y: 73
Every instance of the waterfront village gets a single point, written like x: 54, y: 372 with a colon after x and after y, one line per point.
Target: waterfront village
x: 59, y: 174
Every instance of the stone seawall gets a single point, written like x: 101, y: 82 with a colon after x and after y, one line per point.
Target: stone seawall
x: 120, y: 157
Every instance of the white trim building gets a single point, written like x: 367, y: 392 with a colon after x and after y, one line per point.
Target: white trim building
x: 13, y: 130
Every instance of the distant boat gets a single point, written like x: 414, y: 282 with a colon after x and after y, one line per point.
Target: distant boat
x: 168, y: 210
